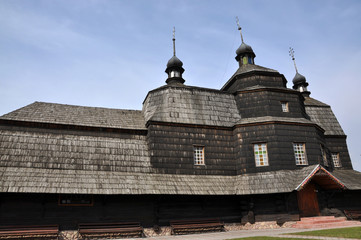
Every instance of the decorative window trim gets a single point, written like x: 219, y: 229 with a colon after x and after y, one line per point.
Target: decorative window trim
x: 284, y: 106
x: 198, y: 155
x: 299, y: 150
x: 260, y: 154
x: 79, y: 200
x: 336, y: 160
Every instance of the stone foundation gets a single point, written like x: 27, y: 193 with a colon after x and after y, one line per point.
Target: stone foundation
x: 166, y: 231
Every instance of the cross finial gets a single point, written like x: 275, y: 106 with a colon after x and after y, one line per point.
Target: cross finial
x: 239, y: 28
x: 292, y: 54
x: 173, y: 41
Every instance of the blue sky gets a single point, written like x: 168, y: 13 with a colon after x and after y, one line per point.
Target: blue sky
x: 111, y: 53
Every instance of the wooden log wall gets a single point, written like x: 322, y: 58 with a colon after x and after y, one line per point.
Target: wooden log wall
x: 171, y: 149
x: 279, y: 139
x: 150, y: 210
x: 339, y: 145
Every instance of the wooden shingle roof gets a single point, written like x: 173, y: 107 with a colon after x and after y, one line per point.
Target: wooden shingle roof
x: 53, y: 113
x: 321, y: 114
x: 69, y: 150
x: 191, y: 105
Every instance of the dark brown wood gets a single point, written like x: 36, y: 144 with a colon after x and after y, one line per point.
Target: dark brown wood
x: 104, y: 229
x: 196, y: 225
x: 353, y: 214
x: 308, y: 202
x: 27, y: 231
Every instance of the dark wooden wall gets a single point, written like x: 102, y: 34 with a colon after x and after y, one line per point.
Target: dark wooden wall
x: 150, y: 210
x: 171, y: 149
x: 257, y: 79
x: 338, y: 144
x: 267, y: 102
x: 279, y: 139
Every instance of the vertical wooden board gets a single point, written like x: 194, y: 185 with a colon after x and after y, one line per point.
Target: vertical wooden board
x: 307, y: 201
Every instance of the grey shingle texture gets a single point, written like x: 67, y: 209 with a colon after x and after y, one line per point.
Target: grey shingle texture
x: 321, y: 114
x: 191, y: 105
x: 77, y: 115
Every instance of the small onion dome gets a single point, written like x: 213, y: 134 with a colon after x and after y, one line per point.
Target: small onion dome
x: 174, y: 62
x: 298, y: 79
x: 174, y: 71
x: 244, y: 49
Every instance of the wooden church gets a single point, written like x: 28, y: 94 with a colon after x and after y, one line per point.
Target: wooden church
x: 252, y: 151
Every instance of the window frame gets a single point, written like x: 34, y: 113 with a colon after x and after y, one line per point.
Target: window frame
x: 199, y: 155
x: 284, y: 106
x: 338, y: 165
x: 298, y: 153
x: 263, y: 156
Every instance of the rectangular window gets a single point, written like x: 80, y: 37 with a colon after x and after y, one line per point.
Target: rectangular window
x: 336, y: 159
x: 260, y: 154
x: 284, y: 106
x: 324, y: 156
x: 300, y: 153
x: 75, y: 200
x: 198, y: 152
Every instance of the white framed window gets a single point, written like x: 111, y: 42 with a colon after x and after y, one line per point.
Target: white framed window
x: 284, y: 106
x: 300, y: 153
x: 336, y: 159
x: 198, y: 153
x: 324, y: 156
x: 260, y: 154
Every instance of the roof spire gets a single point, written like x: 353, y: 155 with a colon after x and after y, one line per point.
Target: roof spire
x: 173, y: 41
x: 299, y: 81
x: 239, y: 28
x: 292, y: 54
x: 174, y: 67
x: 245, y: 54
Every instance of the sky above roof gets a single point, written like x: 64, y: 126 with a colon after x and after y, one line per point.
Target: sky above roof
x: 107, y: 53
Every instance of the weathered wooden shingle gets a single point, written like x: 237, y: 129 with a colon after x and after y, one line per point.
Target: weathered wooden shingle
x: 274, y: 119
x: 37, y: 180
x: 77, y: 115
x: 351, y: 178
x: 271, y: 182
x: 191, y: 105
x: 59, y: 149
x: 322, y: 115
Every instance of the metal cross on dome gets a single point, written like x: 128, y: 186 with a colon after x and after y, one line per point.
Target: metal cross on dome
x: 239, y: 27
x: 292, y: 54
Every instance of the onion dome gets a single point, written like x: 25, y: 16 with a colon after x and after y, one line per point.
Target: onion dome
x: 299, y: 81
x: 245, y: 49
x: 174, y: 62
x: 174, y: 67
x: 245, y: 54
x: 298, y: 78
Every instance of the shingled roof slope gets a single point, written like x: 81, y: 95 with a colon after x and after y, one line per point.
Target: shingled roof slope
x: 351, y: 178
x: 78, y: 115
x: 321, y: 114
x: 248, y: 68
x: 271, y: 182
x: 191, y: 105
x: 37, y: 180
x: 68, y: 150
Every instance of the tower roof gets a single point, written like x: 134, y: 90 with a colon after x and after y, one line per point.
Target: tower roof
x: 298, y: 78
x: 243, y: 49
x: 174, y: 62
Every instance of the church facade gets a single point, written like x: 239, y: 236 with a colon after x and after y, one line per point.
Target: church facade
x: 254, y: 150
